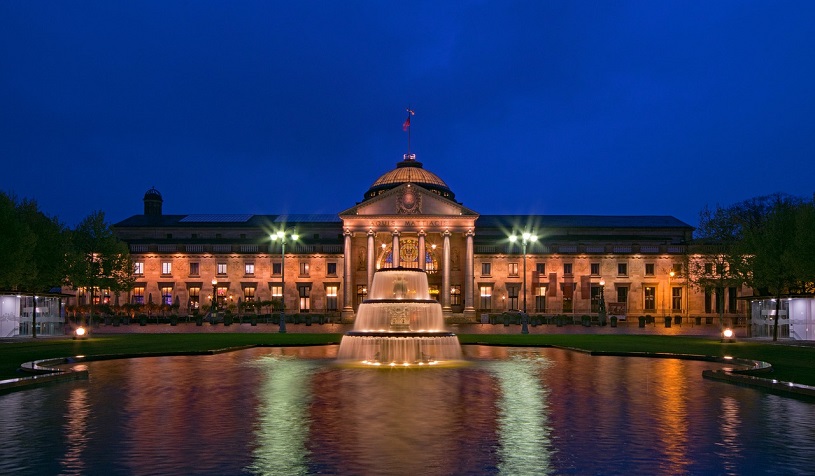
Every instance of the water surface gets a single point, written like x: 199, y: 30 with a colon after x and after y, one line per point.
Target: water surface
x: 292, y: 411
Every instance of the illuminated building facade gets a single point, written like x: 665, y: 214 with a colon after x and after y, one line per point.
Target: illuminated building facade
x: 409, y: 217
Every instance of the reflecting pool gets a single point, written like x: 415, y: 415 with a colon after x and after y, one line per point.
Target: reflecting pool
x: 293, y: 411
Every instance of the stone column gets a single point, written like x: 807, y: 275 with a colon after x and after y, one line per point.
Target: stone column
x: 422, y: 251
x: 371, y: 257
x: 445, y: 276
x: 396, y: 260
x: 347, y: 280
x: 469, y: 263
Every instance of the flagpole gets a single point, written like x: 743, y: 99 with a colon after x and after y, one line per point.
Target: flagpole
x: 406, y: 126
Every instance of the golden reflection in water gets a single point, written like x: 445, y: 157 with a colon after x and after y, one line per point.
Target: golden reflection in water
x: 524, y: 433
x: 729, y: 426
x: 401, y: 421
x: 76, y: 431
x: 281, y: 427
x: 671, y: 428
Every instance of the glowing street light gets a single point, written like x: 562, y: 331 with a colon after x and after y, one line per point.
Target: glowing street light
x: 601, y: 311
x: 282, y: 236
x: 214, y: 310
x: 526, y: 238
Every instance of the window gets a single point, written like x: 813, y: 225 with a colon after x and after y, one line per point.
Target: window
x: 222, y: 295
x: 650, y: 298
x: 195, y: 298
x: 512, y: 297
x: 138, y: 295
x: 362, y: 292
x: 455, y: 294
x: 304, y: 267
x: 595, y: 298
x: 331, y: 269
x: 166, y: 267
x: 676, y: 299
x: 568, y: 293
x: 622, y: 294
x: 486, y: 296
x: 513, y: 269
x: 732, y: 302
x: 167, y: 295
x: 708, y: 268
x: 195, y: 269
x: 567, y: 269
x: 719, y: 300
x: 649, y: 269
x: 708, y: 297
x: 677, y: 269
x: 331, y: 291
x: 486, y: 269
x: 540, y: 268
x: 622, y: 269
x: 106, y: 296
x: 249, y: 269
x: 138, y: 268
x: 248, y: 294
x: 595, y: 269
x: 304, y: 290
x: 277, y: 269
x: 540, y: 299
x: 221, y: 268
x: 277, y: 291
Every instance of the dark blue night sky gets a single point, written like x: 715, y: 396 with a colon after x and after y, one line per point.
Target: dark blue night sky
x: 567, y: 107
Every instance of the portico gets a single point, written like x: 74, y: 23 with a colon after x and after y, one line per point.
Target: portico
x: 410, y: 219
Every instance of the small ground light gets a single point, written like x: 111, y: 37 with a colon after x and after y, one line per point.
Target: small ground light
x: 80, y: 333
x: 728, y: 335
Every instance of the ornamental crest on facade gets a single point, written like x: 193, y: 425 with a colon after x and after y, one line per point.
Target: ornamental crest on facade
x: 408, y: 202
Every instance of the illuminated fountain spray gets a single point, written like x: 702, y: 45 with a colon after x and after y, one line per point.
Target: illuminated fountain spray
x: 399, y: 324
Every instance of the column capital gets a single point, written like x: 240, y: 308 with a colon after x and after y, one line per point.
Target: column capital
x: 470, y: 232
x: 446, y: 232
x: 347, y: 232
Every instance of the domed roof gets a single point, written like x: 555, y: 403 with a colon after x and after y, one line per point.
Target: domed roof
x: 152, y: 194
x: 409, y: 171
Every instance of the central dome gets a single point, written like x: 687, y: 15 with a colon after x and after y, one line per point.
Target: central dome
x: 409, y: 171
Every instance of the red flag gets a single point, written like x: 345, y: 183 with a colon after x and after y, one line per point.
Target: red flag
x: 406, y: 124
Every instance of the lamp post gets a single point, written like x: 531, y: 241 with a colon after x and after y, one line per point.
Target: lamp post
x: 526, y: 238
x: 281, y: 235
x: 671, y: 274
x: 601, y: 311
x: 214, y: 310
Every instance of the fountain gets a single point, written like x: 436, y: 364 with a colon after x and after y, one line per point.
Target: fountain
x: 399, y: 325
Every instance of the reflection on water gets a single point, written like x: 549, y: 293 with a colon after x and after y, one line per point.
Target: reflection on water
x: 292, y: 411
x: 523, y: 431
x: 281, y: 425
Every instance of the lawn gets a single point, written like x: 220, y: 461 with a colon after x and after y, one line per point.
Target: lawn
x: 790, y: 363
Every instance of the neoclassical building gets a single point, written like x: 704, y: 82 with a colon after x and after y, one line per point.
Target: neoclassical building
x: 410, y: 217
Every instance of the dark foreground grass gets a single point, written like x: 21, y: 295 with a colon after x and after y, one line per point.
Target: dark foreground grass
x: 790, y: 363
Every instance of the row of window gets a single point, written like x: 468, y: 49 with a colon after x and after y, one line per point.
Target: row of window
x: 224, y: 298
x: 540, y: 268
x: 221, y: 268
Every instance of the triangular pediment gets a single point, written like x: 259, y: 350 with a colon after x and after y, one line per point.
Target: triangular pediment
x: 408, y: 199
